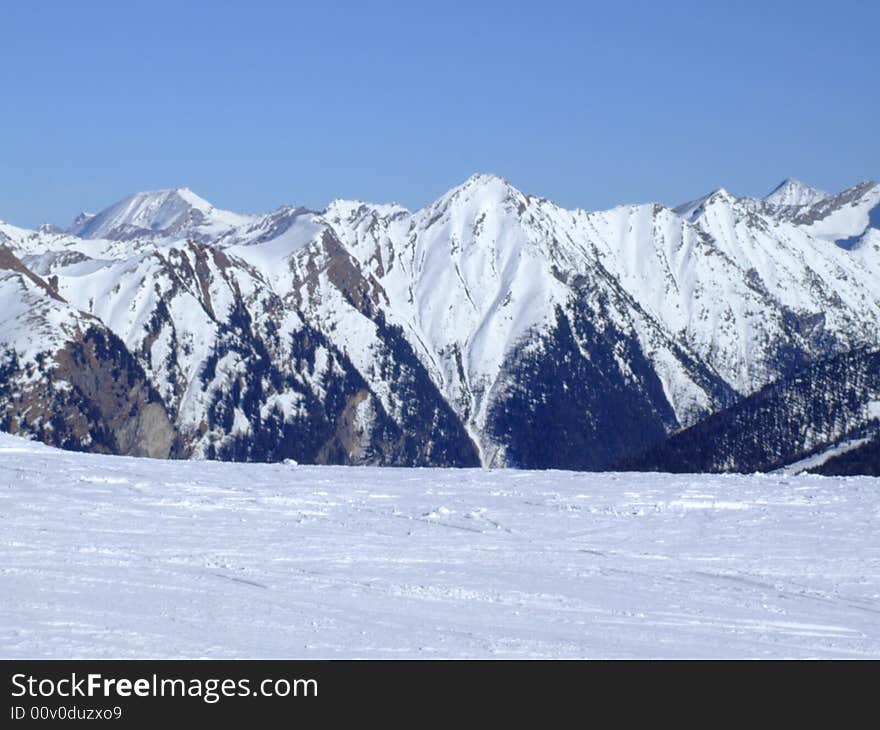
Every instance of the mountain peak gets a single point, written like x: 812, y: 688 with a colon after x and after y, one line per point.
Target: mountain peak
x: 792, y: 191
x: 485, y: 178
x: 722, y: 194
x: 163, y: 196
x: 168, y: 210
x: 481, y: 189
x: 695, y: 208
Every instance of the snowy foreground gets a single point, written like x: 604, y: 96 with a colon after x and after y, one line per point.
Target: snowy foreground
x: 122, y: 557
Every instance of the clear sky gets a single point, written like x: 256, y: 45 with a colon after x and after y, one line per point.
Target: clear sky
x: 254, y: 104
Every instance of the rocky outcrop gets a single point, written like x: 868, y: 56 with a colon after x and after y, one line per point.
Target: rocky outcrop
x: 71, y: 382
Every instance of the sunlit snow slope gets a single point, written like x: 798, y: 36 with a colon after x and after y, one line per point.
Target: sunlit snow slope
x: 106, y: 556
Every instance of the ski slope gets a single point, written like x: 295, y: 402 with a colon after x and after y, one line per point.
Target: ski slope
x: 122, y: 557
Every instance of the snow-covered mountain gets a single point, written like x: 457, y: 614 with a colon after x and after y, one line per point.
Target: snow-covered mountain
x: 794, y: 192
x: 177, y: 212
x: 490, y: 327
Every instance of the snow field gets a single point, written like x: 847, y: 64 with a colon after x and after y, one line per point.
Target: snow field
x: 122, y: 557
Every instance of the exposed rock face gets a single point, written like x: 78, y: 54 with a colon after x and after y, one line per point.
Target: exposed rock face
x: 76, y: 385
x: 125, y: 413
x: 89, y: 396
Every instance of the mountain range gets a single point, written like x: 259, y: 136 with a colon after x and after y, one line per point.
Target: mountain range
x: 490, y: 328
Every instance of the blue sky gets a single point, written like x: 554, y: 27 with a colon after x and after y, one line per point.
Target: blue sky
x: 590, y: 104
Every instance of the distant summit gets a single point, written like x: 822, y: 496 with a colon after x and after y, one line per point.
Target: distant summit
x: 793, y: 192
x: 172, y: 211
